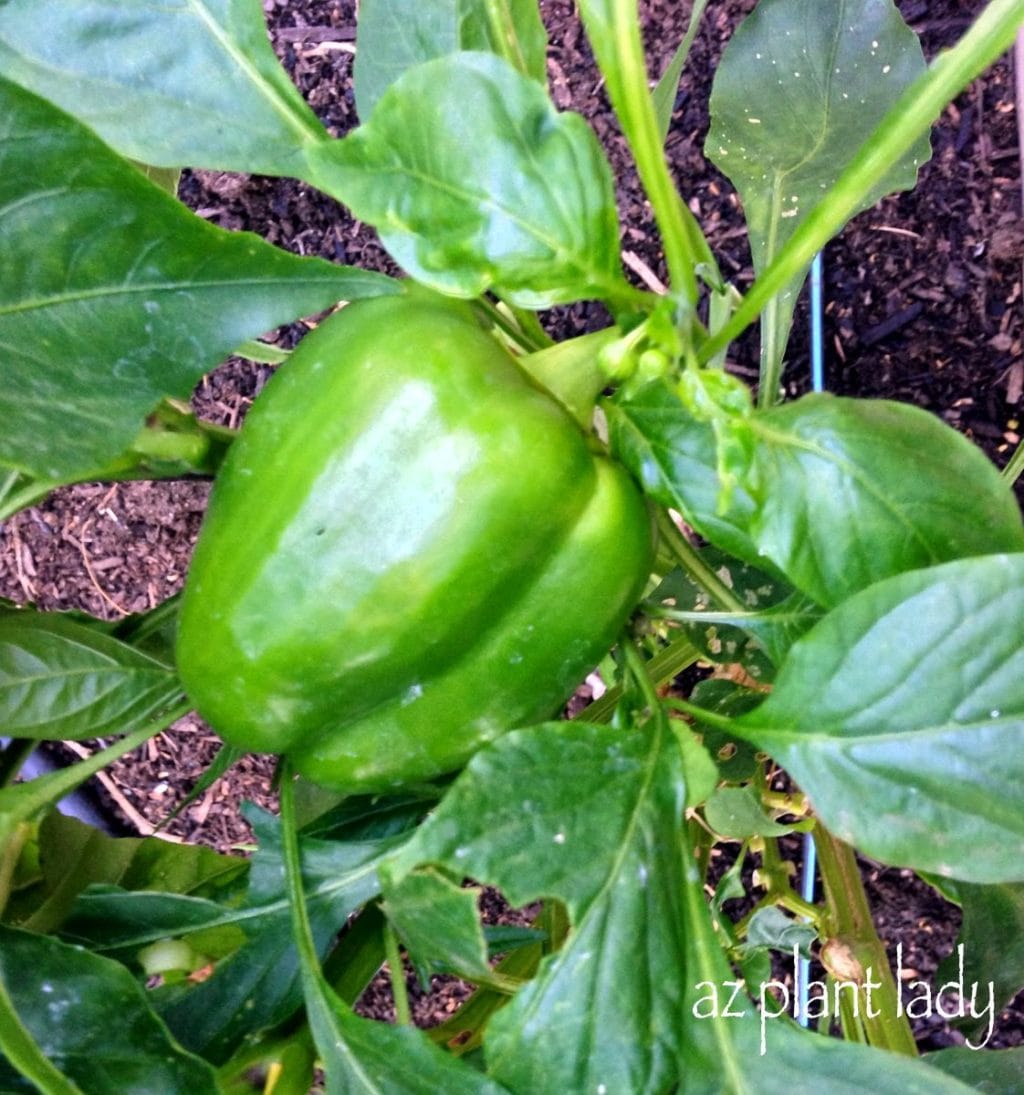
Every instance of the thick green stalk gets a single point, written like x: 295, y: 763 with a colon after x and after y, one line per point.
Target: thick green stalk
x: 679, y: 654
x: 911, y: 116
x: 850, y: 926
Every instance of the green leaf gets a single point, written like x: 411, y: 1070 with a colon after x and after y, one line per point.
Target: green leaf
x: 665, y: 91
x: 74, y: 855
x: 396, y: 35
x: 167, y: 178
x: 901, y: 712
x: 439, y: 924
x: 855, y: 490
x: 771, y: 1056
x: 737, y: 812
x: 611, y: 852
x: 996, y: 1072
x: 113, y: 295
x: 757, y: 638
x: 474, y: 181
x: 192, y: 84
x: 360, y: 1055
x: 990, y: 945
x: 510, y: 28
x: 91, y: 1020
x: 801, y: 86
x: 771, y: 928
x: 62, y: 681
x: 257, y: 986
x: 674, y: 458
x: 736, y: 758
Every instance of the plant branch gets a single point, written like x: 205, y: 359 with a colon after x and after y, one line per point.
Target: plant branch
x: 851, y: 927
x: 614, y: 31
x: 695, y: 566
x: 911, y: 116
x: 403, y: 1013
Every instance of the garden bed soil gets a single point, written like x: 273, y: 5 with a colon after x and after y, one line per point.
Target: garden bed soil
x: 923, y: 305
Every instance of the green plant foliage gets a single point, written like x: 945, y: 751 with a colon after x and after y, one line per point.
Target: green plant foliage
x: 438, y: 923
x: 992, y: 940
x: 899, y: 715
x: 850, y: 491
x: 75, y: 855
x: 674, y: 456
x: 396, y: 35
x: 514, y: 196
x: 801, y: 85
x: 147, y: 295
x: 257, y: 985
x: 610, y: 853
x: 90, y: 1019
x: 857, y: 555
x: 173, y: 85
x: 997, y: 1072
x: 62, y: 680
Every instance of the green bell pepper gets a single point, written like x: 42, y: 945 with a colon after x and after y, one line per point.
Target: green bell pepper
x: 410, y: 549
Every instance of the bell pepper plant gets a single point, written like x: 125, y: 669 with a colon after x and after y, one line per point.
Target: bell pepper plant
x: 437, y: 521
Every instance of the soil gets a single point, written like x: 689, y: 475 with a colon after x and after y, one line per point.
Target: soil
x: 923, y: 305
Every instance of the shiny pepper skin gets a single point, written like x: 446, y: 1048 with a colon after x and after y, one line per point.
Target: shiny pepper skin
x: 410, y: 549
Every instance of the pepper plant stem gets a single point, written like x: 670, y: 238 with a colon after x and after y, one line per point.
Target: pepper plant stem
x: 849, y: 921
x: 701, y: 573
x: 403, y: 1013
x: 614, y: 30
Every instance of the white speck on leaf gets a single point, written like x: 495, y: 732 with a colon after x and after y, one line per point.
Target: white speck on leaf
x: 559, y: 838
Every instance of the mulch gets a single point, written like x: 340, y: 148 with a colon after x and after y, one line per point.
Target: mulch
x: 923, y: 305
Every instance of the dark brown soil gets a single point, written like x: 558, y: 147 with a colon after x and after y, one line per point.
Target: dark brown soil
x: 923, y: 305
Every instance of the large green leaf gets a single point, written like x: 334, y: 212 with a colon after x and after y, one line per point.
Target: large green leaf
x: 604, y: 1012
x: 187, y: 84
x: 990, y: 947
x: 851, y: 491
x: 438, y: 922
x: 800, y: 87
x: 113, y: 295
x: 510, y: 28
x: 63, y: 681
x: 91, y: 1020
x: 474, y: 181
x: 396, y: 35
x: 901, y: 715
